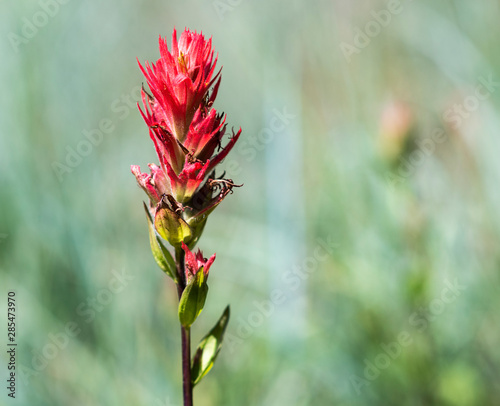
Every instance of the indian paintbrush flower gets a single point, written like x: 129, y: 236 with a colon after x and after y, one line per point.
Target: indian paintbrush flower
x: 180, y: 81
x: 183, y: 188
x: 186, y: 130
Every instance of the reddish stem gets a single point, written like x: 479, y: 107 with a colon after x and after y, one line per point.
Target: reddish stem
x: 187, y: 385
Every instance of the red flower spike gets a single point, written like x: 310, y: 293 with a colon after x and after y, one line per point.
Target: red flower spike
x: 194, y: 263
x: 180, y: 79
x: 186, y: 131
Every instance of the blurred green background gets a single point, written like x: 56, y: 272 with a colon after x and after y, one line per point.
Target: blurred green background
x: 368, y: 126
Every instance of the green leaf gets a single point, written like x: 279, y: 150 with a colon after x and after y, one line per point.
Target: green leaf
x: 193, y: 299
x: 161, y: 255
x: 171, y: 226
x: 209, y: 348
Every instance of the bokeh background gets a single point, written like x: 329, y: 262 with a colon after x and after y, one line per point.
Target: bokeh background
x: 369, y: 213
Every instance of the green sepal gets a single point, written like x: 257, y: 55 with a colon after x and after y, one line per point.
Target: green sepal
x: 161, y: 254
x: 209, y: 348
x: 197, y: 230
x: 193, y: 299
x: 171, y: 226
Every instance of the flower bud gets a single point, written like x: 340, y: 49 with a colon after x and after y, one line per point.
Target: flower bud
x: 170, y: 225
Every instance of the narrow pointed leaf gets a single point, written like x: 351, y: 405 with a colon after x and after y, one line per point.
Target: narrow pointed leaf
x: 209, y: 348
x: 161, y: 254
x: 193, y: 299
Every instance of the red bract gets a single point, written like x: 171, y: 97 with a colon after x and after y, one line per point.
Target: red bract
x: 194, y: 263
x: 155, y: 185
x: 205, y: 135
x: 185, y: 184
x: 187, y: 132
